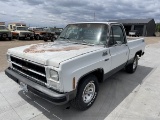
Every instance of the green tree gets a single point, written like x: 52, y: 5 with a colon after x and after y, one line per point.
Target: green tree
x: 158, y: 27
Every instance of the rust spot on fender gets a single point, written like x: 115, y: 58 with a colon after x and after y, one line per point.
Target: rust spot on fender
x: 41, y: 48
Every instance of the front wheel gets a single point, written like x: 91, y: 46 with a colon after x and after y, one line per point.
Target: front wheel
x: 131, y: 68
x: 86, y: 94
x: 10, y: 38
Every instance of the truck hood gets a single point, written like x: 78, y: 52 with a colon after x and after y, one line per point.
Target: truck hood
x: 52, y: 53
x: 4, y: 31
x: 22, y: 31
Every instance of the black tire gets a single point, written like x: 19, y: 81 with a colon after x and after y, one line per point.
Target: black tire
x: 37, y: 37
x: 131, y: 68
x: 31, y: 38
x: 45, y: 40
x: 17, y: 37
x: 53, y: 39
x: 83, y: 100
x: 22, y: 38
x: 10, y: 38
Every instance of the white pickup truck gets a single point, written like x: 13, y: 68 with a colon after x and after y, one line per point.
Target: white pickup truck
x: 71, y: 68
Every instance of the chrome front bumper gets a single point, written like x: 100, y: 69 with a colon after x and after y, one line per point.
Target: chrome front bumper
x: 44, y: 92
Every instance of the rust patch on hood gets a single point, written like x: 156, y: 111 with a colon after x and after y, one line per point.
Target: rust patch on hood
x: 41, y: 48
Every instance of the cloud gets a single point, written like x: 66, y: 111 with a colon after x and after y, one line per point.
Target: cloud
x: 3, y: 13
x: 60, y: 13
x: 34, y: 2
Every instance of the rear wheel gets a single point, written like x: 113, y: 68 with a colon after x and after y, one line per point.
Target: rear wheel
x: 37, y: 37
x: 86, y: 94
x: 10, y: 38
x: 53, y: 39
x: 131, y: 68
x: 17, y: 37
x: 31, y: 38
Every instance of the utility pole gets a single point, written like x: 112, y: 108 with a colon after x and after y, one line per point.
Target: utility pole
x: 94, y: 16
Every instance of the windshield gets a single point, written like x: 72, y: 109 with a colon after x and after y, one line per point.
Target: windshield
x: 2, y: 28
x: 92, y: 33
x: 21, y: 28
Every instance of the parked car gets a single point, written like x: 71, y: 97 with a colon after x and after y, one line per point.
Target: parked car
x: 4, y: 32
x: 71, y: 68
x: 52, y: 34
x: 39, y: 33
x: 20, y: 31
x: 134, y: 33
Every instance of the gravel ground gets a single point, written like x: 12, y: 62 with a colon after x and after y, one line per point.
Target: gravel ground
x: 5, y: 45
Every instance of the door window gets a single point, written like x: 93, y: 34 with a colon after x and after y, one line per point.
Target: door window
x: 117, y: 35
x: 10, y: 26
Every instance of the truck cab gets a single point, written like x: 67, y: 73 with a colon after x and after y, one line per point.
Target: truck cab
x: 39, y: 32
x: 20, y: 31
x: 52, y: 33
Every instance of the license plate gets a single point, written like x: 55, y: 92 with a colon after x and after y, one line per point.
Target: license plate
x: 23, y: 86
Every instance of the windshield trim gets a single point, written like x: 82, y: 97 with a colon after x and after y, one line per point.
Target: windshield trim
x: 103, y: 28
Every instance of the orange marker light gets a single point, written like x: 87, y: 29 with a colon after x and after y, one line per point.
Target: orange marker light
x: 74, y: 83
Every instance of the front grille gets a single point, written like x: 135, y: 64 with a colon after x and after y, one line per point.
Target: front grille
x: 29, y: 69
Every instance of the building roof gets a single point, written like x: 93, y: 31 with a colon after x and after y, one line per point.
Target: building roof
x: 2, y: 23
x: 17, y: 23
x: 129, y: 21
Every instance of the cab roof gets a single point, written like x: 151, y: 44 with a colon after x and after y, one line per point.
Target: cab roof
x: 108, y: 23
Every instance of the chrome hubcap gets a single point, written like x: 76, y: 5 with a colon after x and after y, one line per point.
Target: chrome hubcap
x: 88, y: 92
x: 135, y: 64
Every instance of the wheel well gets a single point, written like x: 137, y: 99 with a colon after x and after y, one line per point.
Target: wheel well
x: 139, y: 53
x: 98, y: 73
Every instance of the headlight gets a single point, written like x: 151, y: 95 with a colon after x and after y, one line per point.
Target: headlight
x: 54, y: 75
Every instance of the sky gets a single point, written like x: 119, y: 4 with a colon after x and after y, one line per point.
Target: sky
x: 59, y: 13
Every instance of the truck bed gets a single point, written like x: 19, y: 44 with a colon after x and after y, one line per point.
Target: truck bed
x: 135, y: 44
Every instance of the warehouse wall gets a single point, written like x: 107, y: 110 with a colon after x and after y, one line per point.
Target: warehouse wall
x: 151, y: 27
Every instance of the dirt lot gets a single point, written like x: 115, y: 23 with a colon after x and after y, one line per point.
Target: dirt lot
x: 5, y: 45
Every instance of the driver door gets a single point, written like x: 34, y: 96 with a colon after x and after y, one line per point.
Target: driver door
x: 118, y: 47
